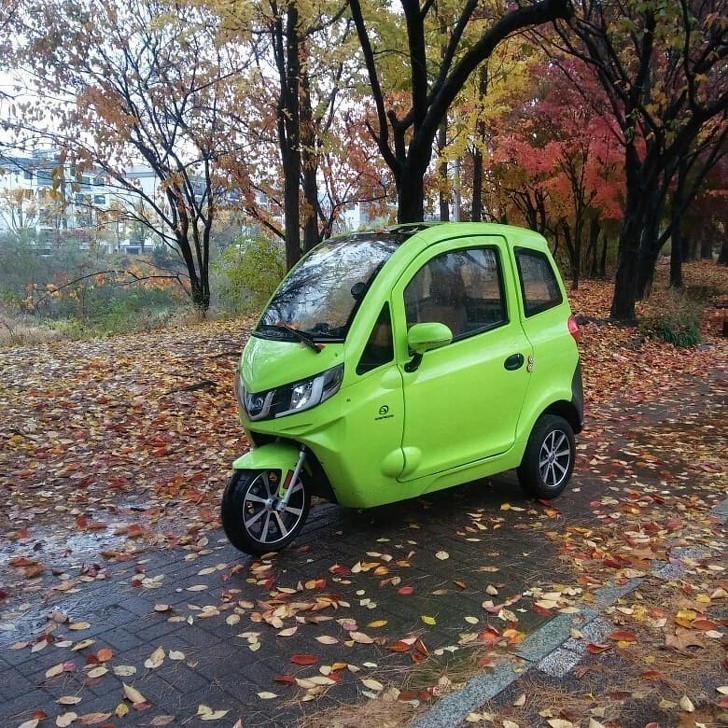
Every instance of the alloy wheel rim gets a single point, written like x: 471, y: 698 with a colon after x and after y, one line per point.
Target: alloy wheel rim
x: 263, y: 519
x: 554, y: 458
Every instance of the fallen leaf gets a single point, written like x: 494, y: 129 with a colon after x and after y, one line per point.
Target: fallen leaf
x: 133, y: 695
x: 97, y: 672
x: 622, y: 635
x: 124, y: 670
x: 372, y: 684
x: 686, y: 704
x: 82, y: 645
x: 55, y: 670
x: 361, y: 638
x: 399, y: 646
x: 596, y: 649
x: 93, y: 718
x: 69, y: 700
x: 204, y: 712
x: 104, y: 654
x: 155, y: 659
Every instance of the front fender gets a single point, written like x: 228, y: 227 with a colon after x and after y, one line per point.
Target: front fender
x: 281, y: 456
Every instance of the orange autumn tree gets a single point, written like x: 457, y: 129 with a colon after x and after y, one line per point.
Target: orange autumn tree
x: 115, y: 85
x: 663, y: 68
x: 558, y: 159
x: 431, y: 78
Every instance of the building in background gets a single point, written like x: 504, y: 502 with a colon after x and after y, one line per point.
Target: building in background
x: 49, y: 202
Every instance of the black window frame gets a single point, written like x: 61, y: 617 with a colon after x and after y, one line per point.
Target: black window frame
x: 371, y: 359
x: 530, y: 309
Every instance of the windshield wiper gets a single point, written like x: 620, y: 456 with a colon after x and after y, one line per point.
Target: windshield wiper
x: 300, y: 335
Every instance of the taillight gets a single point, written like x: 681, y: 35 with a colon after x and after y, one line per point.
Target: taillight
x: 574, y: 329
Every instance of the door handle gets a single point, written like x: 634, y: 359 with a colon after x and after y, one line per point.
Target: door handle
x: 513, y: 362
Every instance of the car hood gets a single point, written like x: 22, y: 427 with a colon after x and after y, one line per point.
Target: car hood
x: 266, y: 364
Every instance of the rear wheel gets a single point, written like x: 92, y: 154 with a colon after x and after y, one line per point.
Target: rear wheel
x: 252, y: 515
x: 549, y: 458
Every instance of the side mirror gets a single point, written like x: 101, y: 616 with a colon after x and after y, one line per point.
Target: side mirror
x: 426, y: 337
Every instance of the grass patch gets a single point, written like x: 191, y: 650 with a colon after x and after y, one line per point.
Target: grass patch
x: 30, y: 330
x: 381, y: 713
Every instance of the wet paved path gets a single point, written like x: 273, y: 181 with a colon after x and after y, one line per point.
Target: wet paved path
x: 362, y: 601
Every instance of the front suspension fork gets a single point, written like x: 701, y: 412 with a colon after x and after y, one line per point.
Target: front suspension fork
x: 284, y: 492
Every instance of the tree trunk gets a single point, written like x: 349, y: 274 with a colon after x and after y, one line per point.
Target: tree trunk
x: 602, y: 270
x: 723, y: 256
x: 476, y: 214
x: 676, y: 257
x: 286, y: 42
x: 650, y: 243
x: 476, y: 210
x: 630, y: 236
x: 592, y: 249
x: 411, y: 195
x: 625, y: 283
x: 291, y: 173
x: 572, y: 245
x: 706, y: 248
x: 309, y: 164
x: 442, y: 173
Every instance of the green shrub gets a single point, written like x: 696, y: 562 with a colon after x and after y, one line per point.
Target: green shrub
x: 245, y: 275
x: 675, y: 318
x: 137, y: 310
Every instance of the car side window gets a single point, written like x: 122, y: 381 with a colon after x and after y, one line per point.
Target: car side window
x: 380, y: 346
x: 539, y: 287
x: 462, y: 289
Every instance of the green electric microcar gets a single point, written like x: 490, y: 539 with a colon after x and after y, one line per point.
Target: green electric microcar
x: 393, y: 363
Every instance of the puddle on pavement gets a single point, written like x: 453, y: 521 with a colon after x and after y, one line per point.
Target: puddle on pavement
x: 69, y: 543
x: 64, y: 552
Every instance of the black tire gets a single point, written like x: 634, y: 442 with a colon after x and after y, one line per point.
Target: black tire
x: 549, y: 458
x: 249, y: 512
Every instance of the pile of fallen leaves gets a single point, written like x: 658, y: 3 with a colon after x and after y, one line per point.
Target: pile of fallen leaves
x: 119, y: 434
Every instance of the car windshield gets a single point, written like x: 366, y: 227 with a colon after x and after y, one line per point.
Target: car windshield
x: 318, y: 299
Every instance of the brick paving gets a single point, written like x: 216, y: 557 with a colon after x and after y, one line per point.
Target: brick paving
x: 349, y: 577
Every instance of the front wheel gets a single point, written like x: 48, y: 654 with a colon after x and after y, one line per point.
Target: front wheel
x: 549, y: 458
x: 253, y: 517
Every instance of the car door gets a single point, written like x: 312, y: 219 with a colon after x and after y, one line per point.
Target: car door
x: 463, y: 401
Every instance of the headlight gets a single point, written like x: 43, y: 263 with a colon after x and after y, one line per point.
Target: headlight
x: 291, y: 398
